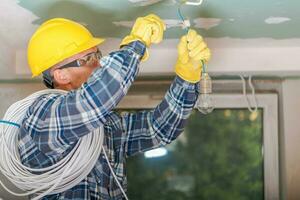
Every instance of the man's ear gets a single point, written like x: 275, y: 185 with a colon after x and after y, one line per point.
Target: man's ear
x: 61, y: 76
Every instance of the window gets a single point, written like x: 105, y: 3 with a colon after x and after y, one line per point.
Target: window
x: 228, y: 154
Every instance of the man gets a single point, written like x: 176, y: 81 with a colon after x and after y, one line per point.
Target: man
x: 67, y: 56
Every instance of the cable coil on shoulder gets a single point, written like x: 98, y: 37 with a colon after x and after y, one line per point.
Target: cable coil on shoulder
x: 57, y: 178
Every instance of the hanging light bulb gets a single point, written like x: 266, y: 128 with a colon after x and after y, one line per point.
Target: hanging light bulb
x: 205, y: 103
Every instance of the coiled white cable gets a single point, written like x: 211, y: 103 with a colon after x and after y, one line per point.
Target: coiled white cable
x: 63, y: 175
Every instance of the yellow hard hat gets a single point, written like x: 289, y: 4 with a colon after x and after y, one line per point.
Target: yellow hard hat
x: 56, y: 40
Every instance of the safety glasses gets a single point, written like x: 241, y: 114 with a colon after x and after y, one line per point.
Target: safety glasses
x: 86, y: 60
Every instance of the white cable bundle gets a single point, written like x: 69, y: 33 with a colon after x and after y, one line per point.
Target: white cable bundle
x: 60, y: 177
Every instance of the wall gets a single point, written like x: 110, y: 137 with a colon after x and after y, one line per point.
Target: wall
x: 290, y: 141
x: 263, y: 56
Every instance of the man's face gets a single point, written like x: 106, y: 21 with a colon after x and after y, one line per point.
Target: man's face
x: 72, y: 77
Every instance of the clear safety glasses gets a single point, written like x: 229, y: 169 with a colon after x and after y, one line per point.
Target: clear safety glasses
x: 86, y: 60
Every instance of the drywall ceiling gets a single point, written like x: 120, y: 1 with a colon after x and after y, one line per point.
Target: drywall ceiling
x: 245, y: 36
x: 214, y: 18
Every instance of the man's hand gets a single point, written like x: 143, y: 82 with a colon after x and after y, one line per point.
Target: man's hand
x: 149, y: 29
x: 191, y: 51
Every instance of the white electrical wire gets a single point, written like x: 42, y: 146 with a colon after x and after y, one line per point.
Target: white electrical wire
x: 114, y: 175
x: 63, y: 175
x: 250, y: 108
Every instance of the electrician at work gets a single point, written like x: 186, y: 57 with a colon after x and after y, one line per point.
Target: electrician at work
x: 67, y: 55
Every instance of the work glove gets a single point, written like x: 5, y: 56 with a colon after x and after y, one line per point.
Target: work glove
x: 192, y: 50
x: 149, y: 29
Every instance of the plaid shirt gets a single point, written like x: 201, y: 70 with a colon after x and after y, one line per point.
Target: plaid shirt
x: 55, y: 122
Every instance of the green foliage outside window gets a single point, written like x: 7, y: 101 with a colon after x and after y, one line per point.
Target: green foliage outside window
x: 218, y: 157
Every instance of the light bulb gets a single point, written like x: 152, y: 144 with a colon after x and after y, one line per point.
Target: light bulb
x: 205, y: 103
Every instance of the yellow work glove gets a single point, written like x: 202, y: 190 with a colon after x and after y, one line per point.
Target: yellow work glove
x: 191, y: 50
x: 149, y: 29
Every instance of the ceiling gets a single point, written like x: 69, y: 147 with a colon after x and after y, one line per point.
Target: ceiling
x: 227, y: 18
x: 227, y: 24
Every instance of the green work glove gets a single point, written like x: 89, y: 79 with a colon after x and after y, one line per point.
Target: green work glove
x: 191, y: 50
x: 149, y: 29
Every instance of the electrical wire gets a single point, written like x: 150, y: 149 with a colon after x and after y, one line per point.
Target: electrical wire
x: 187, y: 28
x: 250, y: 108
x: 61, y: 176
x: 114, y: 175
x: 10, y: 123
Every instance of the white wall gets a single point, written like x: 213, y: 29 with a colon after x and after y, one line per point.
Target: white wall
x: 290, y: 140
x: 261, y: 56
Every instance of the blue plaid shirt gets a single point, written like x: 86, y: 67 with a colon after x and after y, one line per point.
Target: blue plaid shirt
x: 55, y: 122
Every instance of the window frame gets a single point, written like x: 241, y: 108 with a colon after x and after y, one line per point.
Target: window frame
x: 267, y: 102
